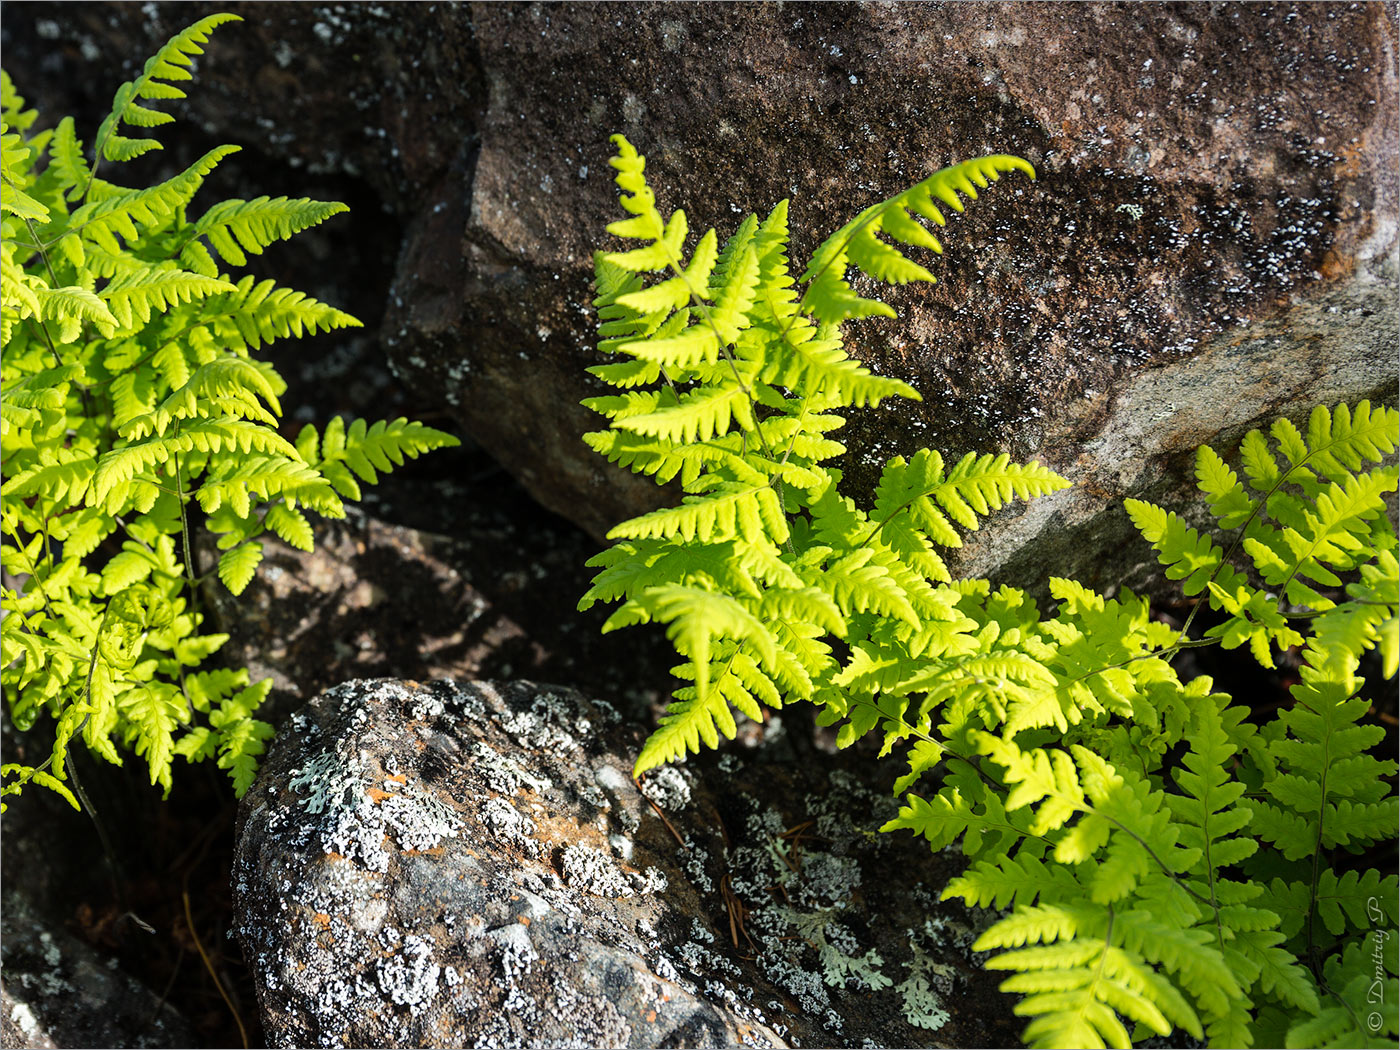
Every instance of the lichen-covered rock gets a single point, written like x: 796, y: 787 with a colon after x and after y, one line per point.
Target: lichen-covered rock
x: 1217, y: 202
x: 471, y: 865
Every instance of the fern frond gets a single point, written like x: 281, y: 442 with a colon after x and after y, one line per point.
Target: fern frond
x: 697, y: 616
x: 687, y: 721
x: 257, y: 312
x: 72, y: 306
x: 1333, y: 533
x: 237, y: 566
x: 367, y: 450
x: 1333, y: 793
x: 830, y: 297
x: 1186, y: 554
x: 236, y: 227
x: 169, y: 64
x: 14, y: 171
x: 820, y: 364
x: 228, y: 383
x: 237, y: 481
x: 751, y: 511
x: 67, y: 160
x: 152, y: 207
x: 132, y: 296
x: 700, y: 414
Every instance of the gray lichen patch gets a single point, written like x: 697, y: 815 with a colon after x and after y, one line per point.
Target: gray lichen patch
x: 667, y: 787
x: 509, y: 825
x: 410, y: 976
x: 593, y: 871
x: 396, y: 881
x: 356, y: 816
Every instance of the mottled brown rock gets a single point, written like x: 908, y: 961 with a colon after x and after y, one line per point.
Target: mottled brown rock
x: 1206, y: 173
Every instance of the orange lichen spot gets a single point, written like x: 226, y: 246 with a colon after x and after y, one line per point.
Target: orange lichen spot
x: 1335, y: 265
x: 524, y: 920
x: 321, y: 919
x: 378, y: 794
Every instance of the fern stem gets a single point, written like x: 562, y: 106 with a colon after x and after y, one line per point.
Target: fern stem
x: 1170, y: 651
x: 1315, y: 963
x: 1310, y: 614
x: 33, y: 574
x: 695, y: 298
x: 204, y: 956
x: 53, y: 283
x: 185, y: 534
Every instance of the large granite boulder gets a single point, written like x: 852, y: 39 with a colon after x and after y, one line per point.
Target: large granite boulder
x: 470, y: 864
x: 1212, y: 240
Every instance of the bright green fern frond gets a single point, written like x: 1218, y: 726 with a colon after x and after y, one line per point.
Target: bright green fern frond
x: 15, y: 161
x: 701, y: 414
x: 979, y: 485
x: 123, y: 212
x: 170, y: 63
x: 257, y: 312
x: 1342, y: 441
x: 729, y: 509
x: 67, y: 160
x: 821, y: 364
x: 1188, y: 555
x: 1333, y: 534
x: 1328, y: 790
x: 686, y: 723
x: 132, y: 296
x: 830, y: 297
x: 382, y: 446
x: 234, y: 227
x: 237, y: 386
x: 1370, y: 620
x: 237, y: 566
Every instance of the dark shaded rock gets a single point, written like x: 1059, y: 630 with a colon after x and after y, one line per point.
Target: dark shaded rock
x: 95, y: 948
x: 1212, y: 241
x: 56, y: 990
x: 470, y: 864
x: 485, y: 587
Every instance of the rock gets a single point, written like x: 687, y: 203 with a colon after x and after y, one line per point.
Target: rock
x: 58, y: 991
x: 466, y: 578
x: 1214, y: 227
x: 94, y: 947
x: 458, y: 864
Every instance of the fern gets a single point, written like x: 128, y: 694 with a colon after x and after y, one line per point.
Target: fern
x: 1218, y: 910
x: 130, y: 410
x: 1165, y: 854
x: 732, y: 382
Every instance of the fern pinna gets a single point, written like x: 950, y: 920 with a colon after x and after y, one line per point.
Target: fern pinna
x: 732, y: 380
x: 132, y: 408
